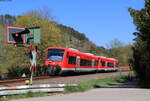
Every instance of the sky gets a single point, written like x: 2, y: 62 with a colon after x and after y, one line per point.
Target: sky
x: 100, y: 20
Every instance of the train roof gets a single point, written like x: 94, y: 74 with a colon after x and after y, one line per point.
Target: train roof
x: 83, y: 53
x: 56, y: 48
x: 90, y: 54
x: 73, y: 50
x: 102, y: 56
x: 108, y: 59
x: 112, y: 58
x: 62, y: 48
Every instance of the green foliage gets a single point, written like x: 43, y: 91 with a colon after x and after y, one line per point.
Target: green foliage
x: 5, y: 52
x: 117, y: 50
x: 7, y: 19
x: 27, y: 95
x: 141, y: 49
x: 14, y: 72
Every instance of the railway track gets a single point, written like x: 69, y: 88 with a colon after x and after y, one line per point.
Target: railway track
x: 6, y: 81
x: 58, y: 79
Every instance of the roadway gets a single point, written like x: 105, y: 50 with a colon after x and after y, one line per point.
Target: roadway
x: 126, y: 92
x: 100, y: 94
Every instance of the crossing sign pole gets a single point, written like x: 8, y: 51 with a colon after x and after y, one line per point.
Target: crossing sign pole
x: 16, y: 35
x: 31, y: 78
x: 33, y: 53
x: 22, y: 36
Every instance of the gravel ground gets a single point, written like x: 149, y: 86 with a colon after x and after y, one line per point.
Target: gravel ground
x: 69, y: 79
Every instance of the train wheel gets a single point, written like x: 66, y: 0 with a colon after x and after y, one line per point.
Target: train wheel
x: 44, y: 70
x: 53, y: 70
x: 50, y: 71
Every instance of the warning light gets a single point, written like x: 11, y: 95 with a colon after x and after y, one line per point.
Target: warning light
x: 16, y: 35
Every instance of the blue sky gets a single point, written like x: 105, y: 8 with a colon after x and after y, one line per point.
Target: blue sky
x: 100, y: 20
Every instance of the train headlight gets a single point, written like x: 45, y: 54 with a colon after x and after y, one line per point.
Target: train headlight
x: 53, y: 63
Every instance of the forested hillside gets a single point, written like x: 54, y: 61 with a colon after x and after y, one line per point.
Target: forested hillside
x: 52, y: 34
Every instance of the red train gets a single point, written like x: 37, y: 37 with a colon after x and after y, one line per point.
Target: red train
x: 59, y: 60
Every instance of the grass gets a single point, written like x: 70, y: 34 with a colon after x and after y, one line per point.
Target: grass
x: 98, y: 83
x: 83, y: 86
x: 28, y: 95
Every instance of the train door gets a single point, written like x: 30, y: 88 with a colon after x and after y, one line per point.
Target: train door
x: 114, y: 65
x: 93, y: 63
x: 106, y: 66
x: 77, y: 63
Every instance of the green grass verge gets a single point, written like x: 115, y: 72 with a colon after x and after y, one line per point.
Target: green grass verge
x: 98, y: 83
x: 27, y: 95
x: 83, y: 86
x: 21, y: 96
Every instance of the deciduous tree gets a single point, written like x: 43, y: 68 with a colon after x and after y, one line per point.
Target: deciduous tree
x: 141, y: 49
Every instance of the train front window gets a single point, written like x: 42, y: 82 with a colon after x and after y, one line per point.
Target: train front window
x: 55, y: 54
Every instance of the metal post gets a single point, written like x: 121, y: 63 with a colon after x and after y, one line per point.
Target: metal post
x: 31, y: 78
x: 33, y: 63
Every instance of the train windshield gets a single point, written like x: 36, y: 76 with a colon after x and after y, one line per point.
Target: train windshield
x: 55, y: 54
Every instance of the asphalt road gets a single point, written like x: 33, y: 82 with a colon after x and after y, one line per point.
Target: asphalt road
x: 100, y: 94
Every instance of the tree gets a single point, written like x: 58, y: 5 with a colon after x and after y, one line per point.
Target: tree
x: 141, y: 49
x: 43, y: 13
x: 7, y: 19
x: 50, y: 33
x: 115, y: 43
x: 116, y: 49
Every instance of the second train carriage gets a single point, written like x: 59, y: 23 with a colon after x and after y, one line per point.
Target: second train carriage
x: 109, y: 64
x: 59, y: 60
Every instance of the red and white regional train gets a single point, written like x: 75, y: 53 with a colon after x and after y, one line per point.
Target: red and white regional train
x: 59, y: 60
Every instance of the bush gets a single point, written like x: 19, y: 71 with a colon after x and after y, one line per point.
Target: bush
x: 14, y: 72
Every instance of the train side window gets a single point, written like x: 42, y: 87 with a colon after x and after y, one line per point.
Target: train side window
x: 89, y: 62
x: 72, y: 60
x: 110, y: 64
x: 84, y: 62
x: 103, y: 63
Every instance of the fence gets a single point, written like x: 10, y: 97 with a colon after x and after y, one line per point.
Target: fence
x: 48, y: 88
